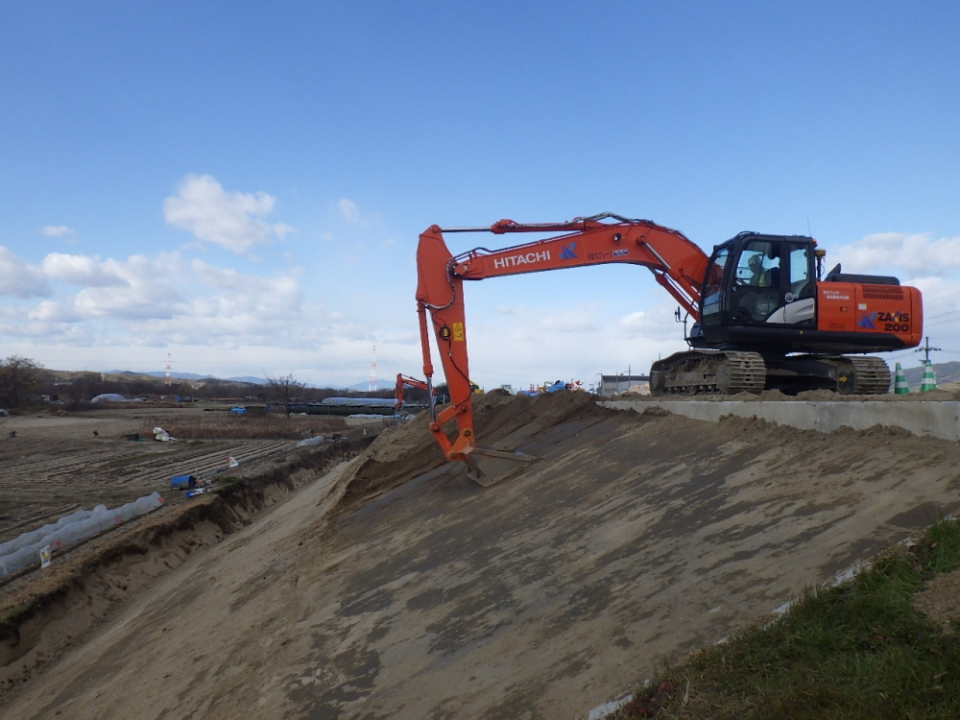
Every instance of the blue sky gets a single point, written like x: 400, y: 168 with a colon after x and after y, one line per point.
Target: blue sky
x: 242, y: 185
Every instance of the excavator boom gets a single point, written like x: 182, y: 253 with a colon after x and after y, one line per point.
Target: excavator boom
x: 677, y: 264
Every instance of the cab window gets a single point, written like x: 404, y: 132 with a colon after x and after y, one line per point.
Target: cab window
x: 711, y: 288
x: 799, y: 270
x: 759, y: 265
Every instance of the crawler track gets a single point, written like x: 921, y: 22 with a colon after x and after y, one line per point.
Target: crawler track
x: 862, y: 375
x: 708, y: 371
x: 730, y: 372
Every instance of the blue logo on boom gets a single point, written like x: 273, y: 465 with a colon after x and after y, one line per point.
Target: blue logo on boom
x: 866, y: 321
x: 566, y: 252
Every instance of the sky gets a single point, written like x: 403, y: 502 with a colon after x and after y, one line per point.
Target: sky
x: 240, y: 186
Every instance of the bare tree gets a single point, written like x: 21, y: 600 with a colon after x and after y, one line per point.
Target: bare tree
x: 82, y: 389
x: 21, y: 380
x: 284, y: 390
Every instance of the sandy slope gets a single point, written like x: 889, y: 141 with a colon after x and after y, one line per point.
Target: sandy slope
x: 634, y: 538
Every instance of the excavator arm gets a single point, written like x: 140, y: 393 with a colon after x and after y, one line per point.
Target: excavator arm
x: 404, y: 381
x: 677, y: 264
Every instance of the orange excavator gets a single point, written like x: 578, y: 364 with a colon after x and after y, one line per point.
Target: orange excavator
x: 765, y: 316
x: 405, y: 381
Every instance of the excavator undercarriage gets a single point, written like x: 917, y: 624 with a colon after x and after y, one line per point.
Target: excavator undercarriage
x: 729, y: 372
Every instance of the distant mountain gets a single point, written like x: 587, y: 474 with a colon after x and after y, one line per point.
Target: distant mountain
x: 178, y: 375
x: 253, y: 380
x: 191, y: 376
x: 948, y: 372
x: 365, y: 386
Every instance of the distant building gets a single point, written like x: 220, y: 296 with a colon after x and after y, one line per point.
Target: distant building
x: 613, y: 384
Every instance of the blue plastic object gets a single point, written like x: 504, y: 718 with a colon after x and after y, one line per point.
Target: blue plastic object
x: 183, y: 482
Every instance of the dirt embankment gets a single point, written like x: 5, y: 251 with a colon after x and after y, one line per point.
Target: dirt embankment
x: 395, y: 587
x: 39, y: 614
x: 43, y: 613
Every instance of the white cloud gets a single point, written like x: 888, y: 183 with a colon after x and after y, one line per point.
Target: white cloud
x: 531, y: 342
x: 155, y: 300
x: 580, y: 319
x: 636, y: 323
x: 57, y: 231
x: 146, y: 290
x: 349, y: 210
x: 255, y: 299
x: 656, y: 325
x: 81, y: 270
x: 19, y: 279
x: 53, y: 312
x: 915, y: 254
x: 281, y: 230
x: 231, y: 220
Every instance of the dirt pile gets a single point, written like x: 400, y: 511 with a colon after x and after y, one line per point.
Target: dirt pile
x: 498, y: 418
x: 501, y: 421
x: 397, y: 455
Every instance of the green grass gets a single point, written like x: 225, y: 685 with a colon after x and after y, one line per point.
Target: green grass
x: 858, y: 651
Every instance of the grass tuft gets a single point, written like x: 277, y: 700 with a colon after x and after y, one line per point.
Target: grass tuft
x: 857, y: 651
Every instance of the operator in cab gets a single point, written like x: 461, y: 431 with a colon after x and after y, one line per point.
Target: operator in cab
x: 756, y: 271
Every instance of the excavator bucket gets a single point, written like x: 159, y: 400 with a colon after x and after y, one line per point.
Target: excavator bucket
x: 488, y: 467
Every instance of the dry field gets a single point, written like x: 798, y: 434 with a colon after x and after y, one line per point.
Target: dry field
x: 53, y: 464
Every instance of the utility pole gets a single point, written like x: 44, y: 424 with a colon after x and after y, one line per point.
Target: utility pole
x: 926, y: 350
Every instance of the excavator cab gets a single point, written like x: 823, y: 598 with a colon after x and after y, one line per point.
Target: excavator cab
x: 767, y: 320
x: 754, y: 284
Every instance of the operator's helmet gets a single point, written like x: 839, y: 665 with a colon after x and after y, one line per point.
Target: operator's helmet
x: 755, y: 263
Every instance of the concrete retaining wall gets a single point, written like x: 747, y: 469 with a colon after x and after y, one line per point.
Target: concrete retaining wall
x: 932, y: 418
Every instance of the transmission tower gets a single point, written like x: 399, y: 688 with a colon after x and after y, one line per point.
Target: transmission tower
x: 926, y: 349
x: 373, y: 371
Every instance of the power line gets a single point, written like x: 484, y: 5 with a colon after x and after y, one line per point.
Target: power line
x: 926, y: 350
x: 900, y: 353
x: 944, y: 314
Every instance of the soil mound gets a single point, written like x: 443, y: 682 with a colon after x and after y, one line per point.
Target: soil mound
x: 399, y: 454
x: 496, y: 419
x: 404, y: 452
